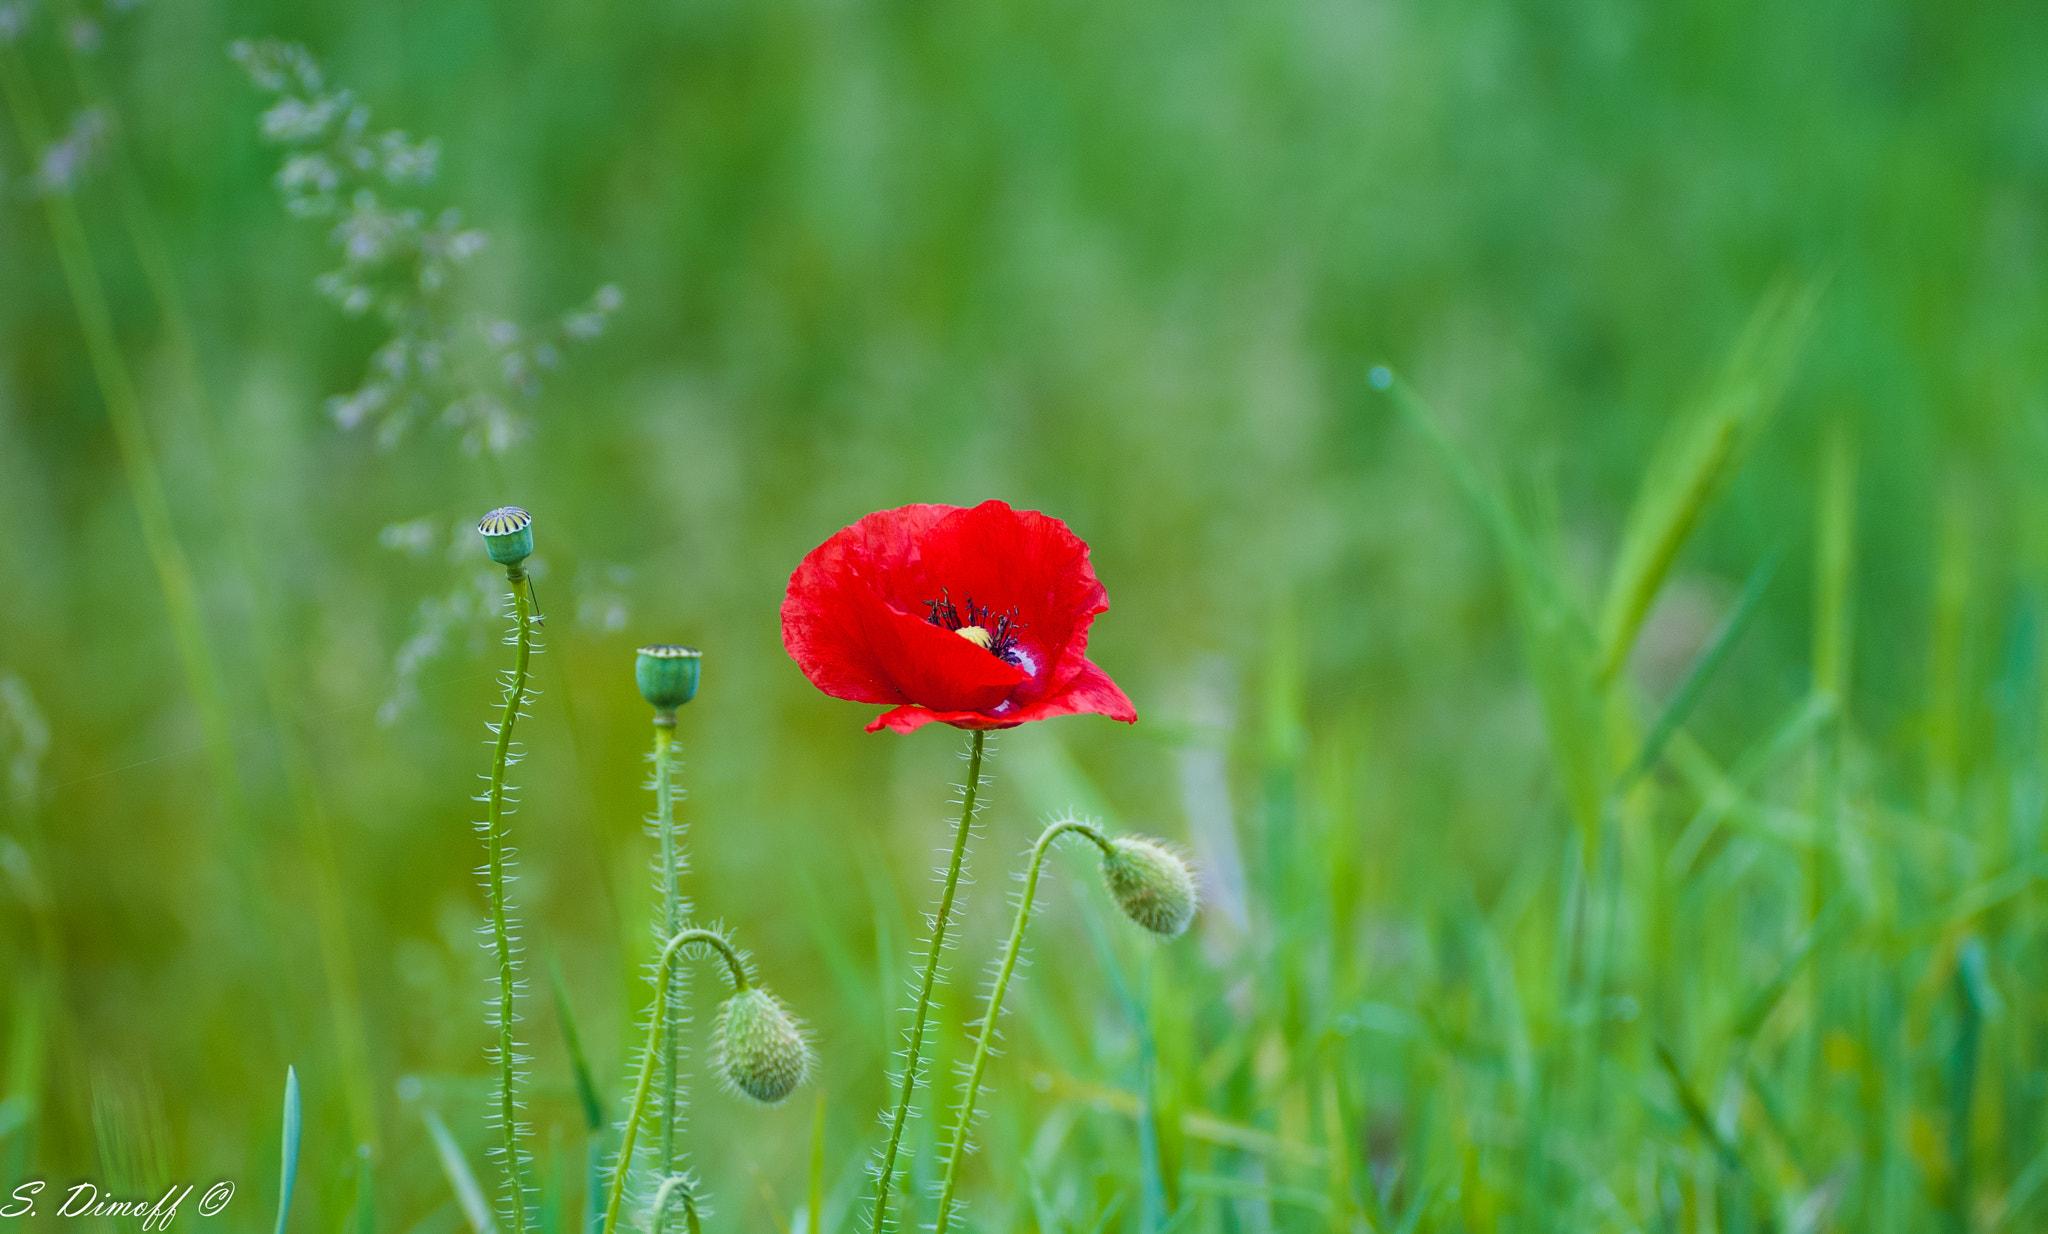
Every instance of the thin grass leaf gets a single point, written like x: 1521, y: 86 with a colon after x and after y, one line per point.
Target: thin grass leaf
x: 1946, y: 671
x: 1200, y: 1125
x: 1700, y: 454
x: 1695, y: 1109
x: 2019, y: 1197
x: 1725, y: 793
x: 1245, y: 1189
x: 1555, y: 638
x: 1702, y: 671
x: 1973, y: 1000
x: 1760, y: 1005
x: 288, y: 1149
x: 814, y: 1191
x: 467, y: 1193
x: 1834, y: 560
x: 579, y: 1063
x: 1978, y: 899
x: 1507, y: 534
x: 1412, y: 1219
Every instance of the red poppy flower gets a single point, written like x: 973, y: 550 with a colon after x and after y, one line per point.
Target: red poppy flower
x: 974, y: 617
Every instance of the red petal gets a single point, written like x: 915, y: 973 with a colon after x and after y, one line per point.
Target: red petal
x: 854, y: 617
x: 841, y: 629
x: 1022, y: 559
x: 1090, y: 692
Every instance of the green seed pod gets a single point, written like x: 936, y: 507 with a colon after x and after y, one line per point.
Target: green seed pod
x: 762, y: 1053
x: 667, y: 674
x: 1151, y: 884
x: 508, y: 534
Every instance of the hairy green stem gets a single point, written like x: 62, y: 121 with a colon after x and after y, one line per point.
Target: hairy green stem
x: 669, y: 1186
x: 657, y: 1020
x: 982, y: 1046
x: 885, y: 1176
x: 671, y: 921
x: 515, y: 697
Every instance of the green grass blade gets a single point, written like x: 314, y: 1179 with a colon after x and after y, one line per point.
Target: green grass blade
x: 1555, y: 638
x: 1704, y: 666
x: 1759, y: 1007
x: 814, y: 1192
x: 1954, y: 583
x: 1696, y: 1109
x: 579, y: 1063
x: 288, y: 1149
x: 467, y: 1193
x: 1484, y: 499
x: 1700, y: 454
x: 1834, y: 563
x: 2020, y: 1195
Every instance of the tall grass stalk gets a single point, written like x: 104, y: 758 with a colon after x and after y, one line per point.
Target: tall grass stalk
x: 145, y: 238
x: 501, y: 928
x: 885, y: 1171
x: 131, y: 435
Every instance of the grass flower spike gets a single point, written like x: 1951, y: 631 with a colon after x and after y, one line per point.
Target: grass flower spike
x: 974, y: 617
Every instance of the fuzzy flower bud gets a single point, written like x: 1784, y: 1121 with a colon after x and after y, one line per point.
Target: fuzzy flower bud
x: 667, y: 674
x: 1151, y: 884
x: 761, y: 1051
x: 508, y: 535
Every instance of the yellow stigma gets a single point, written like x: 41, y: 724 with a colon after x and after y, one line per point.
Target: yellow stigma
x: 975, y: 634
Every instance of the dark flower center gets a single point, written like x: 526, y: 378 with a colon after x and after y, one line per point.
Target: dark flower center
x: 995, y: 633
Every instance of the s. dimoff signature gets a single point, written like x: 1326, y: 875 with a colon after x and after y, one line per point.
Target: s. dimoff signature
x: 87, y: 1200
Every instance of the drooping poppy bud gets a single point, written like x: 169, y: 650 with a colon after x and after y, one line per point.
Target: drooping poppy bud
x: 508, y: 535
x: 761, y: 1052
x: 1151, y: 884
x: 667, y: 674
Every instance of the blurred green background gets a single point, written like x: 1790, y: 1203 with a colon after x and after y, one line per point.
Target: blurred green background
x: 1129, y: 262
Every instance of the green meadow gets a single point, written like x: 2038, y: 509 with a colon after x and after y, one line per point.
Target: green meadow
x: 1567, y: 477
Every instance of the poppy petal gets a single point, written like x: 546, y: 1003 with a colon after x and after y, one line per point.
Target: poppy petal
x: 1023, y: 560
x: 858, y: 618
x: 836, y: 602
x: 1092, y: 692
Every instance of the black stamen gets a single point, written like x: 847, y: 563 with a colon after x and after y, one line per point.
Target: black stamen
x: 1002, y: 629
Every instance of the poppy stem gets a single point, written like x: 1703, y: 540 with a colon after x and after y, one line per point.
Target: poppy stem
x: 671, y: 921
x: 501, y: 932
x: 656, y: 1022
x: 1008, y: 965
x: 885, y: 1176
x: 662, y: 1198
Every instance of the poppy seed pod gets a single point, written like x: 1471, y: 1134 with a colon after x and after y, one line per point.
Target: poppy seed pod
x: 508, y: 535
x: 760, y: 1049
x: 667, y: 674
x: 1151, y: 884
